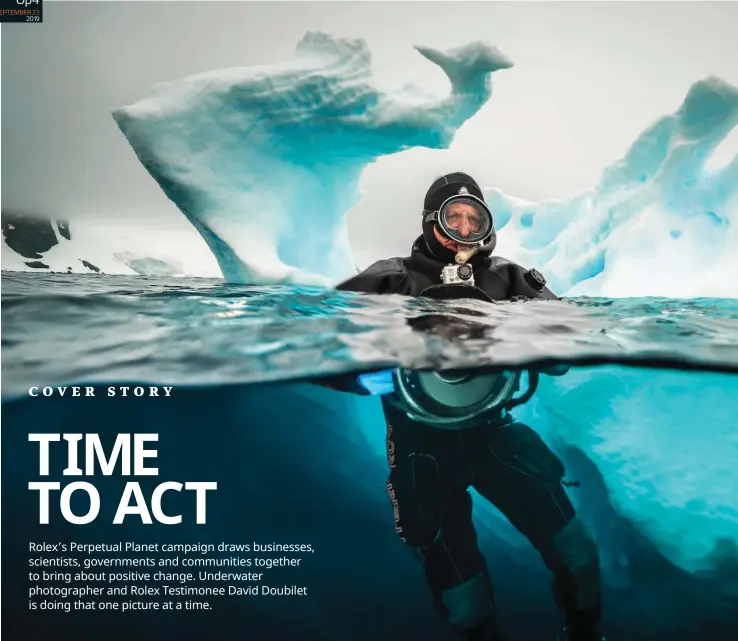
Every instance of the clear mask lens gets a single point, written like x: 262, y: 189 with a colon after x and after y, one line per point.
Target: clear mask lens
x: 465, y: 219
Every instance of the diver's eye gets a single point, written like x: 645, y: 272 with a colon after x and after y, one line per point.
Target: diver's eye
x: 454, y: 220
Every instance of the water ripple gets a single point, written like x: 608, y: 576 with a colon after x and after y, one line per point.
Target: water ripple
x: 59, y: 329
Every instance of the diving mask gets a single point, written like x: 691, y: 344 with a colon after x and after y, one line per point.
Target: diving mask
x: 463, y: 218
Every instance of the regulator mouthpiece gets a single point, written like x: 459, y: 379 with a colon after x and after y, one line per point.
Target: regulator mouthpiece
x: 463, y: 255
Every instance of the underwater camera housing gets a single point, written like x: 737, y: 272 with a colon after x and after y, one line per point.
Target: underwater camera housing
x: 455, y: 400
x: 451, y: 399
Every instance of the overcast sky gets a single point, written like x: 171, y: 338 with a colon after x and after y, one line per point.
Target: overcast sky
x: 588, y: 78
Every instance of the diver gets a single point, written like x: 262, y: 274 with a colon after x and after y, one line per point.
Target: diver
x: 506, y: 462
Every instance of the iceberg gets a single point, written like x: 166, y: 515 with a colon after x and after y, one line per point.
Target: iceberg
x: 662, y: 210
x: 265, y: 162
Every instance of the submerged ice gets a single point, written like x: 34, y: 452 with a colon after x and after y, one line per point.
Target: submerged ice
x: 666, y: 446
x: 650, y: 456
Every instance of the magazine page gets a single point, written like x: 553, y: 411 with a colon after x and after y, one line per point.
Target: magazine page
x: 369, y: 321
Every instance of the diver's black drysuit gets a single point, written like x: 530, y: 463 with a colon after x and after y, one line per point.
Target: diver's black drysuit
x: 431, y: 470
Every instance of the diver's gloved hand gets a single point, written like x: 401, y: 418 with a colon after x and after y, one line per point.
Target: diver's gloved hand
x: 365, y: 384
x: 346, y: 384
x: 555, y: 370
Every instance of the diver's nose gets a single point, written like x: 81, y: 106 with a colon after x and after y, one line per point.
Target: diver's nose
x: 464, y: 228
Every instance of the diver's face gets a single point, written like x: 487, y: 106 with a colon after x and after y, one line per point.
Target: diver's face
x: 465, y: 221
x: 445, y: 240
